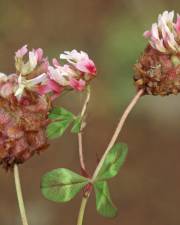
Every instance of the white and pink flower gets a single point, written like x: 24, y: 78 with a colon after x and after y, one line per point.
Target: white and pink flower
x: 35, y: 74
x: 164, y: 35
x: 80, y: 60
x: 76, y: 73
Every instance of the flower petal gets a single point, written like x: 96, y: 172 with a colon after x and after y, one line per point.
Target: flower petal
x: 22, y: 51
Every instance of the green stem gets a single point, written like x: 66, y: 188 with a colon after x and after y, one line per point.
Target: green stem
x: 82, y: 210
x: 20, y: 196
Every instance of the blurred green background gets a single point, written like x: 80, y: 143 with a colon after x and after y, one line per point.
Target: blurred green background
x: 147, y: 190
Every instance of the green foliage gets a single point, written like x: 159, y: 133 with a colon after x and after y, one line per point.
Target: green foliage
x: 57, y: 129
x: 62, y: 118
x: 60, y: 114
x: 104, y: 204
x: 113, y: 162
x: 61, y: 185
x: 110, y: 168
x: 76, y: 125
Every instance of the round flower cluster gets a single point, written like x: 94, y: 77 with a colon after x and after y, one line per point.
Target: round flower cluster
x: 76, y: 74
x: 158, y: 69
x: 26, y: 98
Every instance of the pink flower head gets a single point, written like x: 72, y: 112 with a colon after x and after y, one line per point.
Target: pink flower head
x: 164, y: 34
x: 80, y: 60
x: 78, y: 85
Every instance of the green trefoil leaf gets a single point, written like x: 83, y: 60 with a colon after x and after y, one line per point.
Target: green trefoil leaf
x: 113, y: 162
x: 61, y: 185
x: 104, y: 204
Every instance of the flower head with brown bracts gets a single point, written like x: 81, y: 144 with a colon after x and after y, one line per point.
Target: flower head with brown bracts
x: 158, y: 69
x: 22, y: 123
x: 26, y: 96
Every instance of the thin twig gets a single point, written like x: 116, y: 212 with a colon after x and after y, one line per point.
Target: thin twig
x: 117, y: 131
x: 83, y: 112
x: 20, y: 196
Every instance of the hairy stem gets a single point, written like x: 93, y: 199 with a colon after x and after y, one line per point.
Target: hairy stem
x: 82, y: 210
x: 117, y: 131
x: 19, y: 195
x: 83, y: 112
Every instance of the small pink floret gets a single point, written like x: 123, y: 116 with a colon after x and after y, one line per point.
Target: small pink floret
x: 39, y: 54
x: 91, y: 67
x: 147, y: 34
x: 22, y: 51
x: 55, y: 62
x: 50, y: 86
x: 86, y: 66
x: 78, y: 85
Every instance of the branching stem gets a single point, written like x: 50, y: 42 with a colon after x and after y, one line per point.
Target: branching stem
x: 112, y: 142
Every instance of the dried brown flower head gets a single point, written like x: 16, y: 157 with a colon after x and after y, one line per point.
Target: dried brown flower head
x: 22, y: 124
x: 158, y: 73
